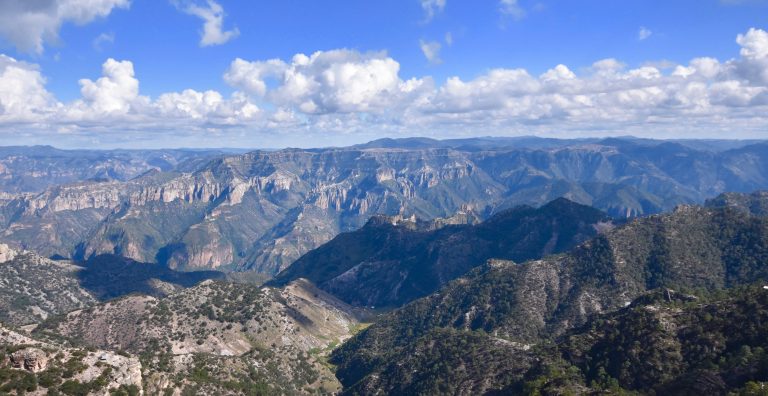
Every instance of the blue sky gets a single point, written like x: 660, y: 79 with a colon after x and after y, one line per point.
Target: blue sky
x: 440, y: 68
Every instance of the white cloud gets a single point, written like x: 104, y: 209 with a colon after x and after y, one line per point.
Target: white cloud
x: 29, y: 24
x: 23, y: 96
x: 115, y: 91
x: 753, y: 64
x: 212, y: 15
x: 432, y: 8
x: 113, y: 102
x: 338, y: 81
x: 512, y: 8
x: 252, y: 76
x: 449, y: 38
x: 345, y: 92
x: 209, y: 106
x: 431, y: 51
x: 754, y: 44
x: 643, y: 33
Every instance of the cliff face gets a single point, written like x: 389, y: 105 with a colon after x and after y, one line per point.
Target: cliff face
x: 287, y: 203
x: 262, y: 210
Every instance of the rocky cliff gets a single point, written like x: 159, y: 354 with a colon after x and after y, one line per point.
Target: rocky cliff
x: 262, y: 210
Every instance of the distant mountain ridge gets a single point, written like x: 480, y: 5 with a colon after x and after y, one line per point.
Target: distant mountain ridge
x: 260, y: 211
x: 32, y: 169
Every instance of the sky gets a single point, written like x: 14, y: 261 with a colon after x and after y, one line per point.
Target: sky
x: 308, y: 73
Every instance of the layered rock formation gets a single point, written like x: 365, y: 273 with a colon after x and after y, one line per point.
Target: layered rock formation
x: 262, y: 210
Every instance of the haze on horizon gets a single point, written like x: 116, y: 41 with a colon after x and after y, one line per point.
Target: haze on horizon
x: 222, y: 73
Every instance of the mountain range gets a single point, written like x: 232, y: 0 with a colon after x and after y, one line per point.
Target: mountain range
x: 260, y: 211
x: 413, y: 267
x: 662, y: 304
x: 697, y: 251
x: 392, y: 261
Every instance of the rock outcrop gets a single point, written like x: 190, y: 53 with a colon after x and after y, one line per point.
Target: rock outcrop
x: 52, y: 366
x: 30, y: 359
x: 6, y: 253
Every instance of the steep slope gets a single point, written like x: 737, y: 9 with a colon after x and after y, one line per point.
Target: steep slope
x: 690, y: 249
x: 673, y: 344
x: 665, y: 342
x: 219, y: 337
x: 391, y: 261
x: 262, y: 210
x: 33, y: 288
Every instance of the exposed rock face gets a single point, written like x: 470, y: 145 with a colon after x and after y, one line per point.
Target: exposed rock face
x: 6, y: 253
x: 127, y: 369
x: 30, y: 359
x: 266, y: 209
x: 104, y: 371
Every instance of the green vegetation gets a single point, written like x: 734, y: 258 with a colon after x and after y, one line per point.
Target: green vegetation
x: 57, y: 378
x: 705, y: 252
x: 413, y: 260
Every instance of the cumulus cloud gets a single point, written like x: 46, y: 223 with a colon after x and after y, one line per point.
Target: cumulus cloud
x: 432, y: 8
x: 115, y: 91
x: 212, y: 14
x: 29, y: 24
x: 343, y: 92
x: 338, y: 81
x: 113, y: 101
x: 431, y: 51
x: 252, y: 76
x: 209, y: 108
x: 23, y: 96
